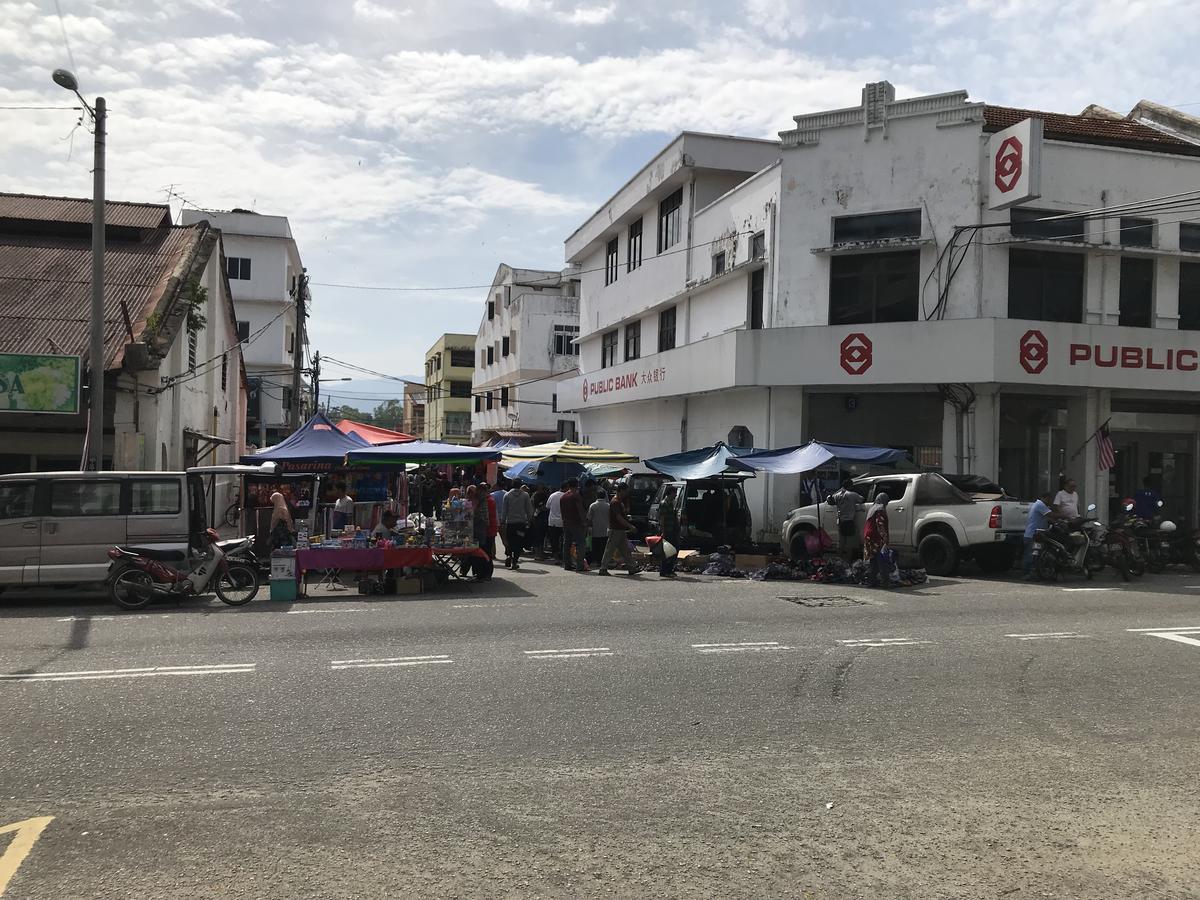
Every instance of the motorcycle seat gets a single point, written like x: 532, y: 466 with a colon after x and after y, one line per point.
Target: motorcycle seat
x: 160, y: 555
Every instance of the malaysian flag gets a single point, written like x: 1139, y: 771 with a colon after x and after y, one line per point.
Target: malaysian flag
x: 1106, y: 457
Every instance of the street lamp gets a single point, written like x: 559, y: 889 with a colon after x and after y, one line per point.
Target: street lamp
x: 95, y: 431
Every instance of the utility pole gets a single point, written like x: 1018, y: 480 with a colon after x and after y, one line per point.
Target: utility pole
x: 96, y: 363
x: 298, y: 350
x: 316, y: 381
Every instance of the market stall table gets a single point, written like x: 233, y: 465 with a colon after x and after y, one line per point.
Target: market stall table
x: 382, y: 559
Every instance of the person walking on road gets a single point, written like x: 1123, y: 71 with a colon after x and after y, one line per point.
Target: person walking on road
x: 518, y: 514
x: 538, y: 528
x: 571, y: 508
x: 875, y: 540
x: 847, y: 502
x: 493, y: 516
x: 554, y: 522
x: 597, y: 516
x: 668, y: 522
x: 619, y: 528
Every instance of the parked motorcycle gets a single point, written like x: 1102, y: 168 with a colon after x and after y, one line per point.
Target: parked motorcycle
x: 1163, y: 544
x: 1125, y: 533
x: 139, y: 575
x: 1066, y: 548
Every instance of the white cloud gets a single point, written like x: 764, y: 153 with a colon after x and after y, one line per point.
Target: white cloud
x: 570, y: 15
x: 377, y: 12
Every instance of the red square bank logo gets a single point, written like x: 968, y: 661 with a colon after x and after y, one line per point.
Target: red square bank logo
x: 857, y: 353
x: 1035, y: 351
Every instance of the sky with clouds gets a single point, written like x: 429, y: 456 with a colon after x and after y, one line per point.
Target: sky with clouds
x: 423, y: 143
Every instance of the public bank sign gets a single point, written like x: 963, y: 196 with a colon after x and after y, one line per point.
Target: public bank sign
x: 42, y: 383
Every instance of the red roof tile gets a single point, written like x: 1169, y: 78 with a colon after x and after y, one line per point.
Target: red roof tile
x: 1091, y: 130
x: 36, y: 208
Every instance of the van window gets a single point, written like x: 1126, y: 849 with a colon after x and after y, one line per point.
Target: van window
x: 85, y: 498
x: 155, y: 498
x: 894, y: 489
x: 16, y: 499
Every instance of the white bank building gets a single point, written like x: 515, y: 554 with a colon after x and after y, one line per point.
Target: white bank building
x: 982, y: 286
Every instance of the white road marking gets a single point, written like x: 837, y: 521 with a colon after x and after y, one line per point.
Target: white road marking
x: 391, y: 662
x: 881, y: 642
x: 86, y: 619
x: 569, y: 653
x: 567, y: 650
x: 1047, y: 635
x: 740, y: 647
x: 1180, y: 635
x: 1168, y: 628
x: 305, y: 612
x: 144, y: 672
x: 1083, y: 589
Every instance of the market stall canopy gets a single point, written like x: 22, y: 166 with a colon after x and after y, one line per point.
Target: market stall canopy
x: 373, y: 434
x: 317, y: 441
x: 424, y: 452
x: 814, y: 455
x: 569, y: 451
x: 706, y: 462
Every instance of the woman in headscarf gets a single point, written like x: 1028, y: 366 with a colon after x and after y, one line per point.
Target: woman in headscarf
x: 282, y: 528
x: 875, y: 536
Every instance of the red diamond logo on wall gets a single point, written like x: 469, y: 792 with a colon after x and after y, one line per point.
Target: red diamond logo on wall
x: 1009, y: 162
x: 585, y: 390
x: 1035, y: 351
x: 857, y: 353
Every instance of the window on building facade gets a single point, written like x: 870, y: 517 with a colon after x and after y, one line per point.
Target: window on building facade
x: 503, y: 398
x: 608, y: 349
x: 757, y: 278
x: 566, y: 430
x: 610, y: 261
x: 1045, y: 286
x: 224, y: 371
x: 554, y: 403
x: 462, y: 359
x: 1137, y: 232
x: 437, y: 362
x: 491, y: 354
x: 243, y: 331
x: 718, y: 263
x: 237, y: 268
x: 491, y: 310
x: 633, y: 340
x: 634, y: 258
x: 478, y: 403
x: 1189, y: 236
x: 899, y: 225
x: 458, y: 423
x: 1189, y: 296
x: 666, y: 330
x: 1137, y: 292
x: 874, y: 287
x: 504, y: 346
x: 460, y: 389
x: 758, y: 245
x: 1024, y: 223
x: 193, y: 342
x: 490, y: 400
x: 289, y: 340
x: 564, y: 340
x: 670, y: 221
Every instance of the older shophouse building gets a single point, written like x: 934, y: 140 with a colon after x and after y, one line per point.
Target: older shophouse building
x: 526, y: 345
x: 449, y: 366
x: 263, y: 266
x: 983, y: 286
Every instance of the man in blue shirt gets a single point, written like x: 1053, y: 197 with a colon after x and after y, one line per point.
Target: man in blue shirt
x: 1145, y: 501
x: 1040, y: 516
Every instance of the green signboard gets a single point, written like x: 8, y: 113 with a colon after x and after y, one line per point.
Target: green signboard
x: 39, y: 384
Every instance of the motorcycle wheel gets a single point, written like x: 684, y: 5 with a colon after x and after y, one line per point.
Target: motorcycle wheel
x: 237, y: 585
x: 1046, y: 567
x: 121, y: 589
x: 1121, y: 564
x: 1137, y: 565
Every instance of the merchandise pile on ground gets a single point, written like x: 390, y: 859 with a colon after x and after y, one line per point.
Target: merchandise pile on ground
x: 823, y: 569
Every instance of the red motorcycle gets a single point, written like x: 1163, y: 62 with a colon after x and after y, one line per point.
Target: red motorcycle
x: 139, y: 575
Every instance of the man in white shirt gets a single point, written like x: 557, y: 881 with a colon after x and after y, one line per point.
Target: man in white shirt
x: 1067, y: 500
x: 343, y: 511
x: 554, y: 524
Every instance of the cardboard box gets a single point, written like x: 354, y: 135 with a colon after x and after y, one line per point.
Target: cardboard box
x: 408, y: 585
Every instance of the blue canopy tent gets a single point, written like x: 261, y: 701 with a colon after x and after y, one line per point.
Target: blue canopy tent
x: 812, y: 456
x: 543, y: 471
x: 318, y: 442
x: 706, y: 462
x: 421, y: 452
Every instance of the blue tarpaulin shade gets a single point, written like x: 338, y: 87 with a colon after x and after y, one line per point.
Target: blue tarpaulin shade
x: 703, y: 463
x: 317, y: 441
x: 423, y: 452
x: 813, y: 455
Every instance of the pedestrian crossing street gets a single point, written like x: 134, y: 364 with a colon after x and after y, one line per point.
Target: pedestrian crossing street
x: 1187, y: 635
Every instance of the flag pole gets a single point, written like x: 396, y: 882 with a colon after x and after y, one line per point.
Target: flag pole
x: 1089, y: 440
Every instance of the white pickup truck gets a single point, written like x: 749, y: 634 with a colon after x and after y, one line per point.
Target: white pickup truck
x: 928, y: 518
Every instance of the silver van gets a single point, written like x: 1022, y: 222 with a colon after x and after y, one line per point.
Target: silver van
x: 56, y: 528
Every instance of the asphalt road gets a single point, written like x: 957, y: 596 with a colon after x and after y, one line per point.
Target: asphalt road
x: 558, y: 735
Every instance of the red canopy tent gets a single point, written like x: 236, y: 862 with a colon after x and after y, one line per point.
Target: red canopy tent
x: 373, y: 434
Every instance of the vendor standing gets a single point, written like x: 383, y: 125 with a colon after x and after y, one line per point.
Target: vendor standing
x: 847, y: 502
x: 343, y: 510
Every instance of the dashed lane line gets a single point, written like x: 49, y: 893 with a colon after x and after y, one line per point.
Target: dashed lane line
x: 1048, y: 636
x: 569, y: 653
x: 141, y: 672
x: 741, y: 647
x: 391, y: 662
x: 881, y: 642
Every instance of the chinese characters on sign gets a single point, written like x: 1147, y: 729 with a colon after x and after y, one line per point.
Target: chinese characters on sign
x: 624, y: 382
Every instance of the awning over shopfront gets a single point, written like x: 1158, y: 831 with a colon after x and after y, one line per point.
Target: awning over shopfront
x: 316, y: 443
x: 812, y: 456
x: 569, y: 451
x: 373, y: 434
x: 706, y: 462
x: 422, y: 453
